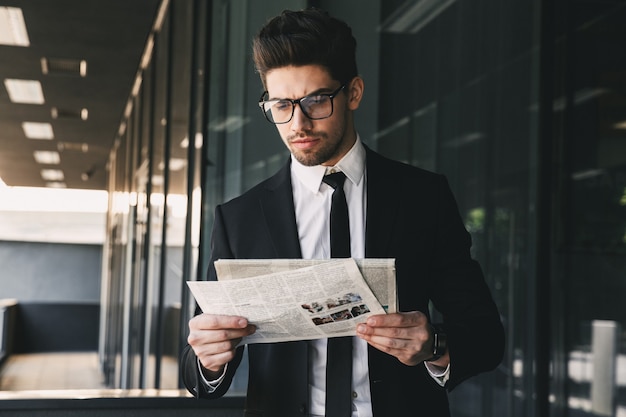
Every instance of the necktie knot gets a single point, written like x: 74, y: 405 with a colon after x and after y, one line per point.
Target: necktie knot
x: 336, y: 179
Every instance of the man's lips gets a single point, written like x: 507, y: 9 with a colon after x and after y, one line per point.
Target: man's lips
x: 304, y: 143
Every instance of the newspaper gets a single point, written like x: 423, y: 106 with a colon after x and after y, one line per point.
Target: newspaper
x: 324, y: 299
x: 379, y: 273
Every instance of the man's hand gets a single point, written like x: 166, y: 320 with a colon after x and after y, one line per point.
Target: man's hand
x: 214, y: 338
x: 407, y: 336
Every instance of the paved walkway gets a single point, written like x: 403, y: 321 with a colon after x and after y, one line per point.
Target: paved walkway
x: 64, y: 371
x: 50, y: 371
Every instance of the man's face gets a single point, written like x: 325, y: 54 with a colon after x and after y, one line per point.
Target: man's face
x: 315, y: 142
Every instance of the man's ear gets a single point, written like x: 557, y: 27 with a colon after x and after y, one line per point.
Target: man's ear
x: 354, y: 91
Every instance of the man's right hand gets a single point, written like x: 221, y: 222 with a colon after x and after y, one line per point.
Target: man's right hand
x: 214, y: 338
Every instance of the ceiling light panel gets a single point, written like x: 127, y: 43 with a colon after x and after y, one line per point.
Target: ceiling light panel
x: 36, y: 130
x: 72, y: 146
x: 47, y: 157
x: 57, y: 113
x: 52, y: 175
x: 24, y: 91
x: 12, y: 27
x: 64, y: 66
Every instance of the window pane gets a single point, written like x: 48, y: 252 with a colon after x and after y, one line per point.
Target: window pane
x: 590, y: 111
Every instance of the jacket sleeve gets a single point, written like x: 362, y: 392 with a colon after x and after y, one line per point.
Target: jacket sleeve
x: 190, y: 372
x: 470, y: 316
x: 193, y: 380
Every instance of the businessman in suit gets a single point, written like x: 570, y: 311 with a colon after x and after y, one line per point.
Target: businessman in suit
x: 402, y: 364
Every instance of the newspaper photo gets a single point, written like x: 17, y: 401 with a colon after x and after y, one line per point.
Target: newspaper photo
x: 325, y: 299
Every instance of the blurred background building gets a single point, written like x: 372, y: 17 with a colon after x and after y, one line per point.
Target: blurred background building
x: 123, y: 123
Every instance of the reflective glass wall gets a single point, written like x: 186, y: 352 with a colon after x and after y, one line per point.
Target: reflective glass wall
x: 458, y: 95
x: 589, y: 236
x: 155, y: 205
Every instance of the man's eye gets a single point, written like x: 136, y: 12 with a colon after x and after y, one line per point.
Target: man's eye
x: 313, y: 100
x: 282, y: 105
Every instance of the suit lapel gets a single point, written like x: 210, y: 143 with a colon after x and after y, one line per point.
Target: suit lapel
x: 279, y: 214
x: 382, y: 206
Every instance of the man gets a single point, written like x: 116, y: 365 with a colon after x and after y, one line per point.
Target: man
x: 402, y: 364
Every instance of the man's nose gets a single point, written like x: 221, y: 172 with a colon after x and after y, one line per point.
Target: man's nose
x: 300, y: 121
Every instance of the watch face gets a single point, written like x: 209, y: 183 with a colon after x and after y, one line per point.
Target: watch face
x: 440, y: 342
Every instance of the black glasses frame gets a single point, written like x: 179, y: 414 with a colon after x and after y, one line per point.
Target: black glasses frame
x: 331, y: 96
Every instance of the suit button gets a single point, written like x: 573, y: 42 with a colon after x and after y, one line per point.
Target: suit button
x: 354, y: 394
x: 303, y: 409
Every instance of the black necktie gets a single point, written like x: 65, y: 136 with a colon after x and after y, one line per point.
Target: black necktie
x: 339, y: 353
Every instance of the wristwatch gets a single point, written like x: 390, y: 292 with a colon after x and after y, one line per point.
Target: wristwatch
x: 440, y: 342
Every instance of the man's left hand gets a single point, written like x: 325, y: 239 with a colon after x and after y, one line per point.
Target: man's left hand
x: 407, y: 336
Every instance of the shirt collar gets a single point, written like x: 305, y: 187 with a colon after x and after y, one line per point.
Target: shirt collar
x: 352, y: 164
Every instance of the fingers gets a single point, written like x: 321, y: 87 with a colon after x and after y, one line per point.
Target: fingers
x: 410, y: 319
x: 396, y: 325
x: 215, y: 321
x: 209, y: 329
x: 214, y: 338
x: 214, y: 356
x: 403, y: 335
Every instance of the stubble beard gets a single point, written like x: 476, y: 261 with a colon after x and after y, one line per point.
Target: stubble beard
x: 327, y: 151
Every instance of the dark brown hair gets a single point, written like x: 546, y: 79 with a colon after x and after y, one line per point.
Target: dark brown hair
x: 306, y: 37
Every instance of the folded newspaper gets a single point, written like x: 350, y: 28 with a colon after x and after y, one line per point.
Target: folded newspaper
x: 288, y: 299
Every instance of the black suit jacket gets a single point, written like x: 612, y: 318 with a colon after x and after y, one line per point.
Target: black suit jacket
x: 411, y: 216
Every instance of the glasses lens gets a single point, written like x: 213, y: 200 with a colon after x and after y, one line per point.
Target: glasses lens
x: 317, y: 107
x: 314, y: 107
x: 278, y: 111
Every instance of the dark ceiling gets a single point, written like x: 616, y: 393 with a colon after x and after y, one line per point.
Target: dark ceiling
x: 110, y: 36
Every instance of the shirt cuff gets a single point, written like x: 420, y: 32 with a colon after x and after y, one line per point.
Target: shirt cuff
x: 211, y: 385
x: 439, y: 374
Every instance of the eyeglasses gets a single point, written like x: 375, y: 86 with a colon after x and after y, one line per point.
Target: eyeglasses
x: 315, y: 107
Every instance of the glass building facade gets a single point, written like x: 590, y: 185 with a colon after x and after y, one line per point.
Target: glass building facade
x: 520, y: 103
